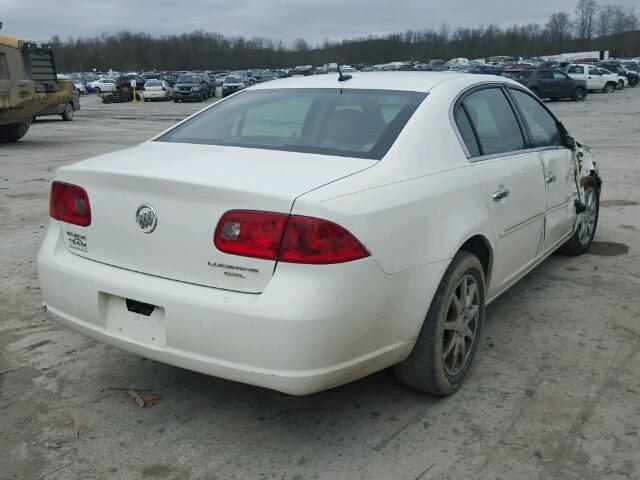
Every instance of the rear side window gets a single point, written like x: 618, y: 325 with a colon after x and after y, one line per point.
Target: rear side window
x: 493, y: 122
x: 344, y: 122
x: 542, y: 126
x: 545, y: 75
x: 560, y: 76
x: 466, y: 132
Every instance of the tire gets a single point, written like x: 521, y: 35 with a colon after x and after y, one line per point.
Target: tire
x: 609, y: 87
x: 578, y: 94
x: 582, y: 238
x: 97, y: 90
x: 428, y: 367
x: 67, y: 115
x: 621, y: 84
x: 13, y: 132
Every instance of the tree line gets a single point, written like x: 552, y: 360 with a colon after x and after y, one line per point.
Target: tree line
x: 590, y: 27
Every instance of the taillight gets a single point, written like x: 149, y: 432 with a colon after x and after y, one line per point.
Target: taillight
x: 69, y: 203
x: 312, y: 240
x: 250, y: 233
x: 287, y: 238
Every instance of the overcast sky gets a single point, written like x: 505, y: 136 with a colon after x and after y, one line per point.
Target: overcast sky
x: 276, y: 19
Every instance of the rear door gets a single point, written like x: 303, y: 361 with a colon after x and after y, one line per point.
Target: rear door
x: 546, y: 135
x: 513, y: 180
x: 563, y: 84
x: 548, y: 84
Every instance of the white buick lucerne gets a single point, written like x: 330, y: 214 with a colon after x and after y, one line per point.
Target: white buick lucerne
x: 304, y: 233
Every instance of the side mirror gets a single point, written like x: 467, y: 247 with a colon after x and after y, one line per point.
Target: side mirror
x: 570, y: 141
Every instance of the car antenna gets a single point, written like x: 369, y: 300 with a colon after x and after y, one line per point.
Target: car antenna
x: 341, y: 77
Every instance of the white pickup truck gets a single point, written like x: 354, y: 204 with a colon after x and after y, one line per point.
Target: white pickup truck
x: 596, y: 79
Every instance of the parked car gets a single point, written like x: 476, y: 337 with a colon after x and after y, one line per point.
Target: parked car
x: 169, y: 77
x: 620, y: 80
x: 219, y: 79
x: 549, y: 83
x: 436, y: 66
x: 157, y: 90
x: 190, y: 86
x: 616, y: 67
x: 364, y: 228
x: 106, y: 85
x: 80, y: 88
x: 593, y: 77
x: 211, y: 86
x: 486, y: 70
x: 231, y: 84
x: 65, y: 109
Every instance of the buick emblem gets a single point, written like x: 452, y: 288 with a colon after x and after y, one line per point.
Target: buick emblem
x: 146, y: 218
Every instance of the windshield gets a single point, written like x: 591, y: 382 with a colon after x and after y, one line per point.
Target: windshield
x: 188, y: 79
x: 232, y: 80
x: 348, y: 122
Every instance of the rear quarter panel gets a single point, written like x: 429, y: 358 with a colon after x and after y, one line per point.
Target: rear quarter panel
x: 418, y: 204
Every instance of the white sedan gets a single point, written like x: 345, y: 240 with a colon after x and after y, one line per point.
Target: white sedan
x: 304, y: 233
x: 104, y: 85
x: 157, y: 89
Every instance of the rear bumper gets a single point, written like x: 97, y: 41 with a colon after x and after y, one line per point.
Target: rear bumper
x: 156, y: 94
x: 313, y: 328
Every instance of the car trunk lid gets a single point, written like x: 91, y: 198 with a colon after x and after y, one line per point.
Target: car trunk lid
x: 189, y: 187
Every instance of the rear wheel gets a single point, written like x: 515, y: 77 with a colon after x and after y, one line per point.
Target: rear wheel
x: 609, y: 87
x: 447, y: 342
x: 582, y: 238
x: 13, y: 132
x: 97, y: 90
x: 579, y: 94
x: 67, y: 115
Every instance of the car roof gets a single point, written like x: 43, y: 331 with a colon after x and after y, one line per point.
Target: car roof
x: 403, y: 81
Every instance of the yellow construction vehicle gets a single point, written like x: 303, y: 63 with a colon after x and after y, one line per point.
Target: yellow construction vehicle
x: 28, y: 85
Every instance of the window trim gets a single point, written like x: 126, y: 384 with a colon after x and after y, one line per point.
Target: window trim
x: 523, y: 127
x: 520, y: 115
x: 457, y: 103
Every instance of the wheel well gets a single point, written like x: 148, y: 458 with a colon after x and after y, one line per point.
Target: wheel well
x: 479, y: 246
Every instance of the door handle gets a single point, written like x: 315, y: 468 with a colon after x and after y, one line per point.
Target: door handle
x: 500, y: 194
x: 550, y: 179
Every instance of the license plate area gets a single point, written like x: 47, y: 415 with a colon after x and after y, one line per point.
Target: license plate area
x: 133, y: 319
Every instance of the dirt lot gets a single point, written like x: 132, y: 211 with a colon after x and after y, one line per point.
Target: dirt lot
x: 555, y: 392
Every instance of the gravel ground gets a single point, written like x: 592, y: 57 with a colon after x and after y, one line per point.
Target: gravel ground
x: 554, y: 393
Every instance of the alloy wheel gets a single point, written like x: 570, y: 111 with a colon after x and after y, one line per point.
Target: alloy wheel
x: 461, y: 325
x: 587, y: 223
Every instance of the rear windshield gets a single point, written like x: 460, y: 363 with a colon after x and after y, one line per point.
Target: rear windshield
x: 153, y: 83
x: 348, y: 122
x: 188, y: 79
x: 517, y: 74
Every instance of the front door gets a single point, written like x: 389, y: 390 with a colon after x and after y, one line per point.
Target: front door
x: 546, y: 135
